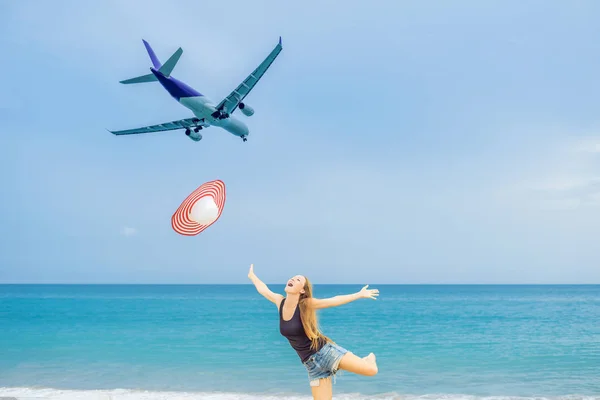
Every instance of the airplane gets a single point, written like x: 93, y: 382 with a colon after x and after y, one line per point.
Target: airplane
x: 206, y: 113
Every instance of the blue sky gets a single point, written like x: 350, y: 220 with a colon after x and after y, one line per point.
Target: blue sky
x: 393, y: 142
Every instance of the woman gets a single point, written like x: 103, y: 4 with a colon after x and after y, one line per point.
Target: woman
x: 298, y: 323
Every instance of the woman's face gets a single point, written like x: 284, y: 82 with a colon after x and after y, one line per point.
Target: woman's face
x: 295, y: 285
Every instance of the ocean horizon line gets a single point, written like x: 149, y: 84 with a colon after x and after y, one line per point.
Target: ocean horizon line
x: 280, y: 283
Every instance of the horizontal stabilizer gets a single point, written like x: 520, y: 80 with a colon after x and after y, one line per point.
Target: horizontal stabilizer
x: 168, y: 66
x: 140, y: 79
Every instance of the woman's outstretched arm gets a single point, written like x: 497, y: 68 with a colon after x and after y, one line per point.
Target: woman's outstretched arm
x: 263, y: 289
x: 344, y: 299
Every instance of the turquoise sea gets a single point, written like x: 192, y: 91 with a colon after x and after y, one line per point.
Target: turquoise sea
x: 222, y: 342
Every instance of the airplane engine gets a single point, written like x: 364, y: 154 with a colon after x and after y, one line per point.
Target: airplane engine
x: 195, y: 136
x: 246, y: 109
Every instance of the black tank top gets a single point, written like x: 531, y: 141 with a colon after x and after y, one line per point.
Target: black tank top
x: 293, y: 330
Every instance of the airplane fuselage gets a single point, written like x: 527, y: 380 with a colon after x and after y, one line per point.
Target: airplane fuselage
x: 201, y: 106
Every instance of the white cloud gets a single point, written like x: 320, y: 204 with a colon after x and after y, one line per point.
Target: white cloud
x: 576, y: 181
x: 568, y: 183
x: 560, y: 204
x: 565, y: 176
x: 588, y: 145
x: 128, y: 231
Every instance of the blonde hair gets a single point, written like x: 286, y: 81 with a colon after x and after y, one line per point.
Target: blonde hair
x: 309, y: 318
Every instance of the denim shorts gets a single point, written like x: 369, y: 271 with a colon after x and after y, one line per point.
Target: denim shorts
x: 324, y: 363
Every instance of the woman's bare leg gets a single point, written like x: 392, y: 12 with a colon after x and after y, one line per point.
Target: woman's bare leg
x: 323, y: 391
x: 366, y: 366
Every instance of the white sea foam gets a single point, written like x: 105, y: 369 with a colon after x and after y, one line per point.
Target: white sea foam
x: 123, y: 394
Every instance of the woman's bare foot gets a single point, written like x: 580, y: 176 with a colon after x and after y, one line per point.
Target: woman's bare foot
x: 371, y: 358
x: 365, y: 366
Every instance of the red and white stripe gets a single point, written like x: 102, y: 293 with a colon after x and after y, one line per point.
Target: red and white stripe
x: 181, y: 221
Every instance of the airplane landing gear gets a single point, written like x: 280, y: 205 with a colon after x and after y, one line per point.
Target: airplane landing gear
x: 244, y: 138
x: 220, y: 115
x: 197, y: 129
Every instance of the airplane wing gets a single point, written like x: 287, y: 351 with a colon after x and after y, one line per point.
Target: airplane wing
x: 167, y: 126
x: 230, y: 103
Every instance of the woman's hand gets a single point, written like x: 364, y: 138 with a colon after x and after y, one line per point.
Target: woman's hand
x: 251, y: 271
x: 368, y: 293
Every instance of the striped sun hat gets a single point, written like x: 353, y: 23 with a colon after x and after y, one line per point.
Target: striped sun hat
x: 181, y: 221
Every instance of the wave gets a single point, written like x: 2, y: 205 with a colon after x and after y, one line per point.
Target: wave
x: 24, y: 393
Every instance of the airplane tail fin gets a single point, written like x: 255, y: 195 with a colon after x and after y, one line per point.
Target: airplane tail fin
x: 153, y: 57
x: 164, y: 69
